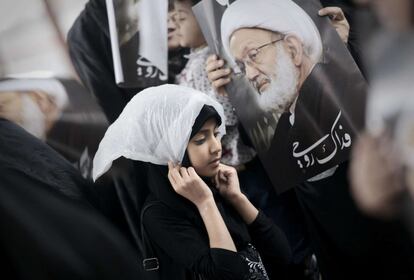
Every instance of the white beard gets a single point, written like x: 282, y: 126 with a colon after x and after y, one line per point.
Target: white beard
x: 282, y: 90
x: 33, y: 119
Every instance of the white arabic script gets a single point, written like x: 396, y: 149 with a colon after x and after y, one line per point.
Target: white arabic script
x: 307, y: 158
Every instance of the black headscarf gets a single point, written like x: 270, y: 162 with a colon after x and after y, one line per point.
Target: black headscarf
x: 206, y: 113
x: 161, y: 189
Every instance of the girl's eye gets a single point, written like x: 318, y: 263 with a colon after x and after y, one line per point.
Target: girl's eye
x: 199, y: 141
x: 216, y: 134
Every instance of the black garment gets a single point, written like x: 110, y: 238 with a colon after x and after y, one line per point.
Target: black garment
x: 283, y: 209
x: 49, y: 230
x: 90, y: 51
x: 347, y: 244
x: 206, y: 113
x: 181, y: 240
x: 25, y: 153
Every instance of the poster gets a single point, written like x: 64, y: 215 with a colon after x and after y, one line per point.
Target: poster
x: 138, y: 31
x: 301, y: 107
x: 59, y: 112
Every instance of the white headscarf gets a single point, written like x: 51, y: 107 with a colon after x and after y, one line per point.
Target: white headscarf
x: 155, y: 127
x: 282, y: 16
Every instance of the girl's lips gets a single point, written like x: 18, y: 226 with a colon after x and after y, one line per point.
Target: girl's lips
x: 215, y: 162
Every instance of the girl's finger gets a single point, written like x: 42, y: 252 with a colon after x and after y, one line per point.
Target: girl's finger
x: 176, y: 176
x: 172, y: 181
x: 192, y: 173
x: 223, y: 176
x: 170, y: 165
x: 184, y: 173
x: 216, y: 180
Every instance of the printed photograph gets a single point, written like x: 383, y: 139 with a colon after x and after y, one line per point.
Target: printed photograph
x: 291, y: 73
x: 134, y: 65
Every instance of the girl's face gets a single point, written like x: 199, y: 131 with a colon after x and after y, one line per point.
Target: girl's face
x: 189, y: 32
x: 173, y: 40
x: 204, y: 150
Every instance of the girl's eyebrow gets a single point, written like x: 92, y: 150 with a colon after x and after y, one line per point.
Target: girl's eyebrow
x: 203, y: 131
x: 207, y: 130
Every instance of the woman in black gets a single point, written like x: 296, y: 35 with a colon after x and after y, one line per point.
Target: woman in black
x: 199, y: 222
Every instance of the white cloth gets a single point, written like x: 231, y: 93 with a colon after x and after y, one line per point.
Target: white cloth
x: 283, y: 16
x: 155, y: 127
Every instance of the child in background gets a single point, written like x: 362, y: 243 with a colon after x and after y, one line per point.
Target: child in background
x: 235, y: 153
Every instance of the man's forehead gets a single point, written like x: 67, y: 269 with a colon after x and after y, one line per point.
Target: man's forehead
x: 251, y: 32
x: 244, y: 39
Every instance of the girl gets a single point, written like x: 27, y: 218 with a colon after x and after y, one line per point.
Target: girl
x: 200, y: 223
x: 283, y: 209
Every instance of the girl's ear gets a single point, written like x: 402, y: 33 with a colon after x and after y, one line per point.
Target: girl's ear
x: 295, y: 48
x: 186, y: 160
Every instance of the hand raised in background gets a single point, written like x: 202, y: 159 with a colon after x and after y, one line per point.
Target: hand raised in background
x: 217, y: 74
x: 339, y: 21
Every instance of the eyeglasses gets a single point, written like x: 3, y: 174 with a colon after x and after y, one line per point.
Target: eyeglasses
x: 253, y: 57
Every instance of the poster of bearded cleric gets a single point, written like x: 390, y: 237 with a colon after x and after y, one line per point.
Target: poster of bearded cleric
x: 59, y: 112
x: 296, y: 89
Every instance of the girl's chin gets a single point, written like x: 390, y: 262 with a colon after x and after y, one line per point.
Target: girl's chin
x: 209, y: 172
x: 184, y: 44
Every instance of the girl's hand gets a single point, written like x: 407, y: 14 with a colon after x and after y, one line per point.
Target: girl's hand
x: 187, y: 183
x: 227, y: 182
x: 217, y: 75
